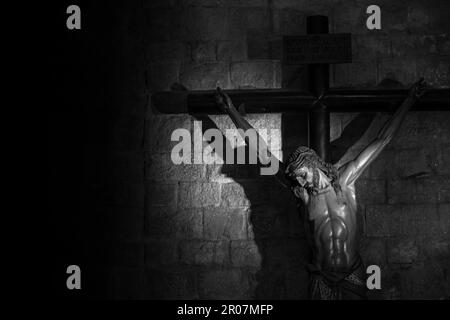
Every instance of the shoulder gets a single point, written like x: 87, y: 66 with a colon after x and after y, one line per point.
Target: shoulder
x: 345, y: 173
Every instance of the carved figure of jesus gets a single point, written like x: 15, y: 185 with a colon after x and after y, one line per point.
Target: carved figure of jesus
x: 326, y: 196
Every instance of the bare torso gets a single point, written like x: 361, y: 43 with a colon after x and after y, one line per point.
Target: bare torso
x: 331, y: 228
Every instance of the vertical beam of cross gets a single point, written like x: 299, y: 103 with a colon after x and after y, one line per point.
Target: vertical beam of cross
x: 319, y: 83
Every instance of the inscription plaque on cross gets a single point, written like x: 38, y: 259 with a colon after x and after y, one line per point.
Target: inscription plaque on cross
x: 318, y: 49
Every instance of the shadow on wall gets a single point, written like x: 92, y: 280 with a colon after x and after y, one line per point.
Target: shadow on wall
x: 274, y: 226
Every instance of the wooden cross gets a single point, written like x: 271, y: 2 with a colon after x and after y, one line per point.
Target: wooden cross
x: 319, y: 101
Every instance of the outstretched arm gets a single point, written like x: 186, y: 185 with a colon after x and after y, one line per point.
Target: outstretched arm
x: 351, y: 171
x: 226, y: 105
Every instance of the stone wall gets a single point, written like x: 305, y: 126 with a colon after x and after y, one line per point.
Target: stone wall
x: 224, y: 231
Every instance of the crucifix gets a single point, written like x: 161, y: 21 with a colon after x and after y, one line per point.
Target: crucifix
x: 325, y: 192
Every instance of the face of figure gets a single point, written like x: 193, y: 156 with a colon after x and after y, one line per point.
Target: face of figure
x: 304, y: 176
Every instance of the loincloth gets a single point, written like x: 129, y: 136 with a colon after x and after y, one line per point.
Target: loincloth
x: 332, y: 285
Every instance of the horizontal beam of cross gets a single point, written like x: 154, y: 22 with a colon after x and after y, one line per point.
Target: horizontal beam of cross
x: 290, y: 101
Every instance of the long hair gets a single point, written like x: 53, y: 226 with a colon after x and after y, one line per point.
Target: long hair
x: 306, y: 157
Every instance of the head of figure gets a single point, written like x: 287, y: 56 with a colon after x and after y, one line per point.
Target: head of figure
x: 307, y: 170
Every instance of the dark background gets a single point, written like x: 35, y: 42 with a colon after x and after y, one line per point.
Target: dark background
x: 140, y: 227
x: 79, y: 74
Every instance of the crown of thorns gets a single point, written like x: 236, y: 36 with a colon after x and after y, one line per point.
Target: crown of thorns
x: 303, y: 156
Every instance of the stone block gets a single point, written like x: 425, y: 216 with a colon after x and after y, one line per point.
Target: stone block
x: 203, y: 51
x: 245, y: 253
x: 289, y: 4
x: 245, y: 193
x: 234, y: 195
x: 225, y: 3
x: 264, y: 47
x: 348, y: 17
x: 203, y: 23
x: 415, y: 45
x: 424, y: 281
x: 254, y: 74
x: 160, y: 129
x: 444, y: 217
x: 258, y: 47
x: 378, y: 220
x: 422, y: 129
x: 370, y: 46
x: 226, y: 284
x: 370, y: 191
x: 205, y: 76
x: 267, y: 125
x: 167, y: 51
x: 421, y: 162
x: 160, y: 167
x: 196, y: 195
x: 257, y: 19
x: 429, y: 17
x: 395, y: 18
x: 290, y: 22
x: 436, y: 71
x: 401, y: 69
x: 403, y: 251
x: 435, y: 249
x: 220, y: 173
x: 441, y: 161
x: 431, y: 189
x: 150, y: 4
x: 225, y: 223
x: 391, y: 288
x: 421, y: 221
x: 359, y: 74
x: 394, y: 164
x: 443, y: 44
x: 163, y: 222
x: 200, y: 252
x: 231, y: 50
x: 373, y: 251
x: 245, y: 20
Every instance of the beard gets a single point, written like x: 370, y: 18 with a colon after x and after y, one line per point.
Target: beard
x: 311, y: 189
